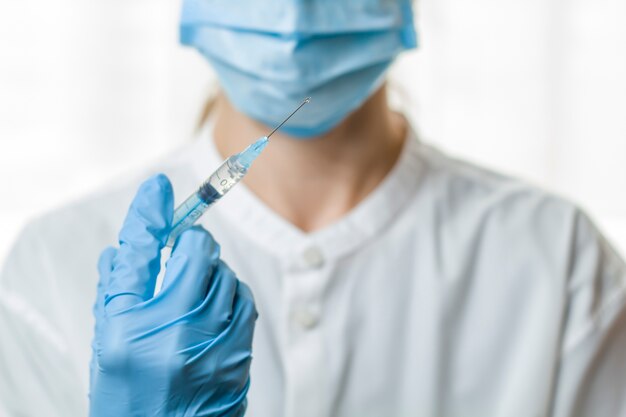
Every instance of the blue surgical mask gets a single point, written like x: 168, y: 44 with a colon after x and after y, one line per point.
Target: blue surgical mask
x: 270, y: 55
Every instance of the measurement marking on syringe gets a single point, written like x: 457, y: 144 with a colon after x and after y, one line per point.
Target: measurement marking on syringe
x: 185, y: 218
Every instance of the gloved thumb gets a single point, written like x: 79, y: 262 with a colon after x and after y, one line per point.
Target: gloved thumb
x: 142, y: 237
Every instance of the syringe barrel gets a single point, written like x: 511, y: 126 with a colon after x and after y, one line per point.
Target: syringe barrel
x: 225, y: 177
x: 186, y: 215
x: 229, y: 173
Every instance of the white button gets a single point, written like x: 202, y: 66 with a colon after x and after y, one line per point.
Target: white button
x: 313, y: 257
x: 305, y: 318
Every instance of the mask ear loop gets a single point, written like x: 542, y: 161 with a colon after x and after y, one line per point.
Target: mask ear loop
x: 210, y: 103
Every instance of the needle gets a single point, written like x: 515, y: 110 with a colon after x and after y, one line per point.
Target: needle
x: 306, y: 100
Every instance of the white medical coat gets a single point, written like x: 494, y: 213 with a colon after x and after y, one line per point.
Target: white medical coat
x: 449, y: 291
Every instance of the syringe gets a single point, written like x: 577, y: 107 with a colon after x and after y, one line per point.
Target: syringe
x: 229, y: 173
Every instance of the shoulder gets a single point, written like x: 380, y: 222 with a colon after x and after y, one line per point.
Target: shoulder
x: 465, y: 191
x: 504, y: 218
x: 58, y: 250
x: 63, y: 239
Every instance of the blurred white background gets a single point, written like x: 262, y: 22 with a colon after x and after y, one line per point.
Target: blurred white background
x: 534, y: 88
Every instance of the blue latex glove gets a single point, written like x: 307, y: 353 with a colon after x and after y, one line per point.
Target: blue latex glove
x: 185, y: 351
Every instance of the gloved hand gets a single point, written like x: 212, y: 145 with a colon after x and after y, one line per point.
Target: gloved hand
x: 185, y: 351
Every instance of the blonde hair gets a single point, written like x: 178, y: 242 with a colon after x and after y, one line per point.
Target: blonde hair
x: 209, y: 106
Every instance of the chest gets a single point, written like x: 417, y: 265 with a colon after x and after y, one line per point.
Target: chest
x: 402, y: 330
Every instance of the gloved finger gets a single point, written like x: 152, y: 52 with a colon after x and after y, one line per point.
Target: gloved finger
x: 248, y: 305
x: 235, y: 338
x: 105, y: 266
x: 241, y: 326
x: 215, y: 312
x: 207, y: 321
x: 222, y: 293
x: 142, y: 237
x: 189, y: 270
x: 228, y: 300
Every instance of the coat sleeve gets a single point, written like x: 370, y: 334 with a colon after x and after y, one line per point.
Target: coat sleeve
x: 38, y: 376
x: 591, y: 376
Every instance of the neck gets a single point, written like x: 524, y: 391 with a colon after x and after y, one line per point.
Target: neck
x: 313, y: 182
